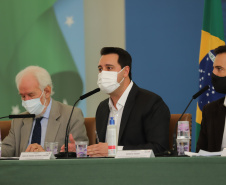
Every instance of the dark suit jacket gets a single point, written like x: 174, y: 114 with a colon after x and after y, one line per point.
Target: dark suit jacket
x: 144, y: 123
x: 212, y: 126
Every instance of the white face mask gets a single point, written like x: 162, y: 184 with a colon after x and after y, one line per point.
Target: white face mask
x: 107, y: 81
x: 34, y: 106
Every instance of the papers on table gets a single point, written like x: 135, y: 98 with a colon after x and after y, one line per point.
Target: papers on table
x: 203, y: 153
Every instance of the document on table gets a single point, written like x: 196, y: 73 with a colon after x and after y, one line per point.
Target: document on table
x: 203, y: 153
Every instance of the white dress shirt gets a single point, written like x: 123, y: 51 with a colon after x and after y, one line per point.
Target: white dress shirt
x: 117, y: 113
x: 224, y: 135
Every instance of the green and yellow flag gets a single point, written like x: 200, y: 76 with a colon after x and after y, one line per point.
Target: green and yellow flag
x: 30, y: 35
x: 212, y: 37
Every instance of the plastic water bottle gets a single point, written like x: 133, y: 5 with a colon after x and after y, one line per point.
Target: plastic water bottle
x: 112, y: 138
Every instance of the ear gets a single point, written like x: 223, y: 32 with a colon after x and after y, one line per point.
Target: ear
x: 48, y: 91
x: 126, y: 71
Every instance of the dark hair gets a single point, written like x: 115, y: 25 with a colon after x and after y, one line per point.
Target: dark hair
x: 124, y: 57
x: 220, y: 49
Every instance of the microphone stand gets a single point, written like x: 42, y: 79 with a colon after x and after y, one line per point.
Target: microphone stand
x: 66, y: 154
x: 4, y: 117
x: 69, y: 154
x: 174, y: 149
x: 174, y: 152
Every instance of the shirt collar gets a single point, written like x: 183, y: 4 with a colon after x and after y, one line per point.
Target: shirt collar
x: 47, y: 112
x: 122, y: 100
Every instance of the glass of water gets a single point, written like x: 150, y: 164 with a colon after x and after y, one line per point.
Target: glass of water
x: 51, y: 147
x: 81, y: 148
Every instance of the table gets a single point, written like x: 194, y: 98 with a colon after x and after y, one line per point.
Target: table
x: 109, y: 171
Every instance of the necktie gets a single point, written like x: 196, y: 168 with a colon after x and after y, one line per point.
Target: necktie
x: 36, y: 136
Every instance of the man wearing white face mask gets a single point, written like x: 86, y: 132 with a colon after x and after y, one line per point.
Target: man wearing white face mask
x: 107, y: 81
x: 35, y: 88
x: 141, y: 116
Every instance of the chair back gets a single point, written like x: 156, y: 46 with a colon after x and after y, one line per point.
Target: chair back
x: 173, y: 120
x: 5, y: 127
x: 90, y: 124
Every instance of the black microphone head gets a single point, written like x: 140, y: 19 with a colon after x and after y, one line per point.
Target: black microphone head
x: 89, y: 93
x: 22, y: 116
x: 200, y: 92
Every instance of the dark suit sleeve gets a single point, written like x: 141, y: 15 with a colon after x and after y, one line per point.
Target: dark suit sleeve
x: 156, y: 127
x: 203, y: 141
x: 102, y: 115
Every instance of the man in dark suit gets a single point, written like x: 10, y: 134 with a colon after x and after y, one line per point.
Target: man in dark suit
x: 212, y: 136
x: 141, y: 116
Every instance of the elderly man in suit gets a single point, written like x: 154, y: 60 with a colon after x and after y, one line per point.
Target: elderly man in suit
x: 35, y: 88
x: 142, y: 118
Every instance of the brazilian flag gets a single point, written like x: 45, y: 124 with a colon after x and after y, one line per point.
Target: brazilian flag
x: 30, y: 35
x: 212, y: 37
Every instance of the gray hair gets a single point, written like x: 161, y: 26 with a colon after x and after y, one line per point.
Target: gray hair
x: 43, y: 77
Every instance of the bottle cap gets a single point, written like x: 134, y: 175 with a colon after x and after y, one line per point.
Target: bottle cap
x: 112, y: 121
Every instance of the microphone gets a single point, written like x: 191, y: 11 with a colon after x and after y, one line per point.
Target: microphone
x: 67, y: 154
x: 19, y: 116
x: 22, y: 116
x: 174, y: 149
x: 200, y: 92
x: 196, y: 95
x: 173, y: 152
x: 89, y: 93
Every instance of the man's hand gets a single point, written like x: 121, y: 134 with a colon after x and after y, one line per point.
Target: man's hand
x: 34, y: 148
x: 98, y: 150
x: 71, y: 146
